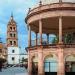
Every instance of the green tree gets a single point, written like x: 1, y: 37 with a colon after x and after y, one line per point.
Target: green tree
x: 24, y: 60
x: 69, y: 38
x: 55, y: 40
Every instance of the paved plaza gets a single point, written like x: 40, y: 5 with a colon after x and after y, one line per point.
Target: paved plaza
x: 14, y: 71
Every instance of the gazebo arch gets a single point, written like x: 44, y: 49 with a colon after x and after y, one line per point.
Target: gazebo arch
x: 50, y: 64
x: 70, y: 64
x: 35, y: 65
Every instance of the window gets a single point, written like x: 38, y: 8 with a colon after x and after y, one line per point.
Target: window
x: 14, y: 35
x: 10, y: 34
x: 0, y: 50
x: 14, y: 42
x: 13, y: 51
x: 10, y: 28
x: 13, y: 58
x: 14, y: 28
x: 10, y: 42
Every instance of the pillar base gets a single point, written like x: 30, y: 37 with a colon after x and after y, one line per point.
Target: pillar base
x: 60, y: 73
x: 41, y: 74
x: 29, y: 73
x: 60, y: 43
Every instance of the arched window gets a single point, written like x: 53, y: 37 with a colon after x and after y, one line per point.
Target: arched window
x: 0, y: 50
x: 10, y: 34
x: 10, y: 42
x: 13, y: 51
x: 14, y: 28
x: 14, y: 42
x: 13, y: 58
x: 10, y: 28
x: 14, y: 35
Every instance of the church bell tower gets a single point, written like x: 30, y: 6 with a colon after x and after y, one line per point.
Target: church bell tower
x: 12, y: 42
x: 12, y: 39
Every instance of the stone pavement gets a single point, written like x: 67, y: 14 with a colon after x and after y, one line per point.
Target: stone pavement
x: 14, y: 71
x: 21, y: 74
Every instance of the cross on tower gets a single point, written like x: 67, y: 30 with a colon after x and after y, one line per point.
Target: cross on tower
x: 11, y: 15
x: 40, y: 3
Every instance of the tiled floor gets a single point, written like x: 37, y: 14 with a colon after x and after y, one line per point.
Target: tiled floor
x: 14, y: 71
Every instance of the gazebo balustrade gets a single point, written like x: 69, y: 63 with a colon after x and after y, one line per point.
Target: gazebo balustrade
x: 50, y: 46
x: 49, y: 41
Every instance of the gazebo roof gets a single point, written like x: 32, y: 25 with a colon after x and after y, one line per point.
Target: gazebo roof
x: 49, y: 14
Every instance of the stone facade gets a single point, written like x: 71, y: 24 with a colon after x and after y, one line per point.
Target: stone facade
x: 58, y: 19
x: 41, y: 53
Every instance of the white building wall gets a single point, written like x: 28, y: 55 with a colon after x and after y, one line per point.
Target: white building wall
x: 15, y: 54
x: 16, y: 60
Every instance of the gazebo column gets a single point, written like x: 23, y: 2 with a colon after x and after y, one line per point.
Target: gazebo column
x: 61, y: 63
x: 29, y: 64
x: 36, y: 39
x: 29, y: 37
x: 48, y: 38
x: 40, y: 62
x: 60, y: 30
x: 40, y: 31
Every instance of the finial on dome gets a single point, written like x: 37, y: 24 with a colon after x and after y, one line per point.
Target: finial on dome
x: 40, y: 3
x: 29, y: 9
x: 11, y: 15
x: 60, y: 1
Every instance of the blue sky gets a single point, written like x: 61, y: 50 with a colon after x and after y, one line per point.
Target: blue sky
x: 19, y: 9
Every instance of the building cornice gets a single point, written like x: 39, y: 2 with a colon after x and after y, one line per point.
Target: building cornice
x: 50, y: 7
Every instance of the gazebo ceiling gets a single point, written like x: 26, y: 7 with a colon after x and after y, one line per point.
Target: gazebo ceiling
x: 51, y: 25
